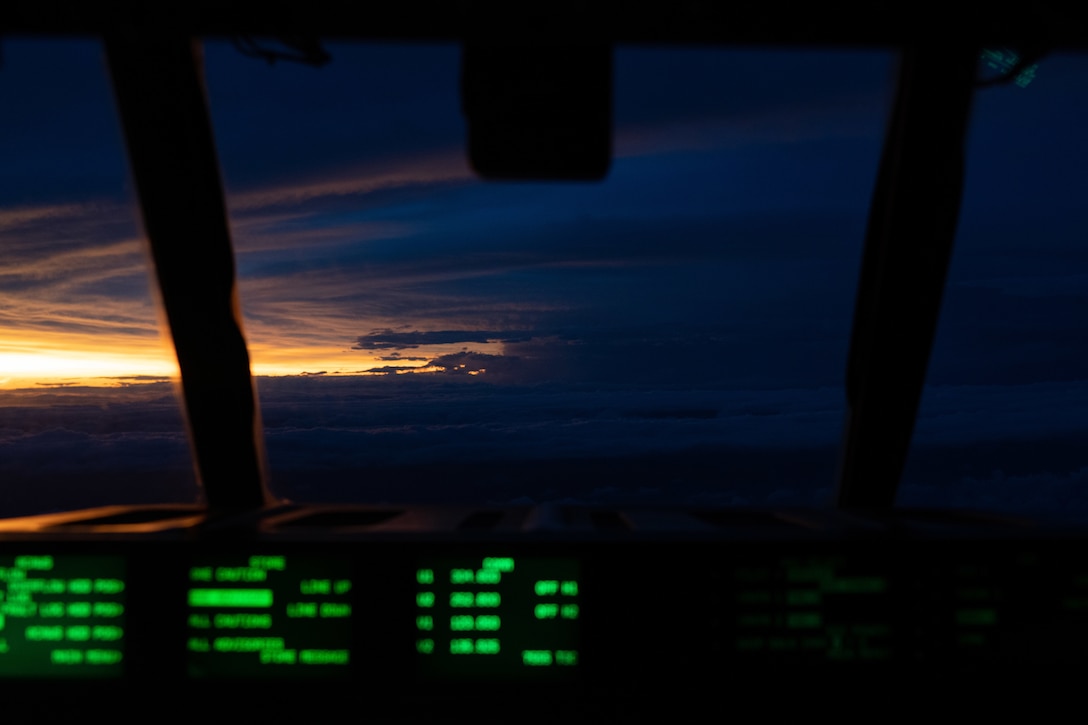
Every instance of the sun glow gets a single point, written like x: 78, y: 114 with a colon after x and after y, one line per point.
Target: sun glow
x: 104, y: 360
x: 50, y: 359
x: 279, y: 360
x: 24, y: 369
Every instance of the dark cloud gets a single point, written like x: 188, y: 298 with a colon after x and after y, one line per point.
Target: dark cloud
x: 140, y: 378
x: 393, y: 340
x: 466, y: 362
x: 388, y: 369
x: 495, y: 367
x: 398, y: 356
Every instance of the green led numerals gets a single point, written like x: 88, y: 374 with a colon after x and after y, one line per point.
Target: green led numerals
x: 497, y: 617
x: 815, y: 609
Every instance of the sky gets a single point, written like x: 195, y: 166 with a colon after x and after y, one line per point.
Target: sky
x: 676, y: 333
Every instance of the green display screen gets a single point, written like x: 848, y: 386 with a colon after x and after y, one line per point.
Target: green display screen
x: 813, y: 609
x: 498, y: 616
x: 269, y: 615
x: 1004, y: 60
x: 62, y: 616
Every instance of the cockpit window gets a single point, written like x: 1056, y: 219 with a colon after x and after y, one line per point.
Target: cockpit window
x: 676, y: 333
x: 1005, y: 411
x: 88, y: 414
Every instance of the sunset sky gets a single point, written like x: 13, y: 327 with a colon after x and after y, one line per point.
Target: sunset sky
x: 354, y: 211
x: 701, y: 296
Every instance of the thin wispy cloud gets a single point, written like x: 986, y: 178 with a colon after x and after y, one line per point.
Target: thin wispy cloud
x: 357, y: 181
x: 15, y: 217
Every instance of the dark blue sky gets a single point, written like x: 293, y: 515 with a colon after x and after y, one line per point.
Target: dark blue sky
x: 694, y: 307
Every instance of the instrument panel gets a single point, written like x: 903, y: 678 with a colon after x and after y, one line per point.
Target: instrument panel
x: 466, y: 627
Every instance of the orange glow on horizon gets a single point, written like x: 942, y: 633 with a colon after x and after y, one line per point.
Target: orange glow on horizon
x: 47, y: 358
x: 63, y: 326
x: 27, y: 359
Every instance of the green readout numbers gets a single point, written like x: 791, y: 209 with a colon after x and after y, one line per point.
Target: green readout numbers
x: 497, y: 617
x: 268, y: 616
x: 62, y: 616
x: 812, y: 609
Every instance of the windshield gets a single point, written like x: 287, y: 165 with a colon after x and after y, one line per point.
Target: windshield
x: 1005, y: 412
x: 88, y: 414
x: 674, y: 334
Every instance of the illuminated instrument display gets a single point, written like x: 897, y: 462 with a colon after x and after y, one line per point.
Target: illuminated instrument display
x: 806, y: 609
x: 500, y: 616
x: 62, y: 616
x: 1005, y: 60
x: 262, y: 616
x: 426, y: 621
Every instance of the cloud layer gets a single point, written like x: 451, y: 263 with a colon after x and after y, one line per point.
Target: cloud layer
x: 434, y: 439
